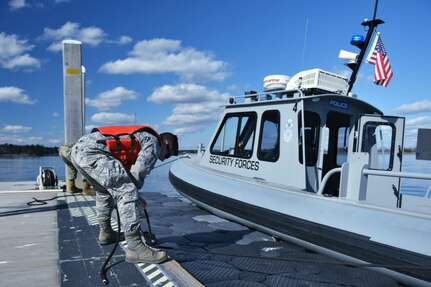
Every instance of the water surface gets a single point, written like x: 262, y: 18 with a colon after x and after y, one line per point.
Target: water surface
x: 27, y: 169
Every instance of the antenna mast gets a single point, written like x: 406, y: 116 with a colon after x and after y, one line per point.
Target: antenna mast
x: 305, y: 42
x: 372, y: 25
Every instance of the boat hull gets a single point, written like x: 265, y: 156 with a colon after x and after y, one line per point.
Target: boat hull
x: 211, y: 190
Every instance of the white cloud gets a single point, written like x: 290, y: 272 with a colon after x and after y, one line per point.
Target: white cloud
x: 196, y: 106
x: 196, y: 116
x: 124, y: 40
x: 89, y: 128
x: 411, y: 129
x: 112, y: 98
x: 414, y: 108
x: 188, y: 130
x: 56, y: 141
x: 13, y: 53
x: 13, y: 139
x: 157, y: 56
x: 15, y: 129
x: 419, y: 121
x: 22, y: 61
x: 186, y: 93
x: 15, y: 95
x: 17, y: 4
x: 112, y: 118
x: 92, y: 36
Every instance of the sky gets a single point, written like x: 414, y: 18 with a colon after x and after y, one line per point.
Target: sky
x: 174, y: 64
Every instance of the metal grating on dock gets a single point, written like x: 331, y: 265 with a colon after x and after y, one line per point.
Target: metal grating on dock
x: 56, y: 245
x: 83, y: 207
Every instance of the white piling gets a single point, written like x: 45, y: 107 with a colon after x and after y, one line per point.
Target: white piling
x: 74, y: 91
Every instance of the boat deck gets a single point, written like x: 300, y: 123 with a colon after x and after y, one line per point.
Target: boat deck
x: 56, y: 245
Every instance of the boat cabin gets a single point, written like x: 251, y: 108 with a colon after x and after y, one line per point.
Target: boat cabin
x: 310, y: 137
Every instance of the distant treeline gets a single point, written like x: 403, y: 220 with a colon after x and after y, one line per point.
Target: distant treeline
x: 39, y: 150
x: 27, y: 150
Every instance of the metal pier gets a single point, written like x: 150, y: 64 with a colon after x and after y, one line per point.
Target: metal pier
x: 56, y: 245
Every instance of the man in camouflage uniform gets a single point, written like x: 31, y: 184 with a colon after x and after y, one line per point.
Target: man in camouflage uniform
x: 114, y: 184
x: 64, y: 152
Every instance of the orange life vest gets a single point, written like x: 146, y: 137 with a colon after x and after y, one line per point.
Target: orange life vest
x: 124, y: 149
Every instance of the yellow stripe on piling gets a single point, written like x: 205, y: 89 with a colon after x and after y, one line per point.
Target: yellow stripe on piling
x: 73, y: 71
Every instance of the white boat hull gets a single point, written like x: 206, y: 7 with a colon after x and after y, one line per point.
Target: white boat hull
x: 390, y: 239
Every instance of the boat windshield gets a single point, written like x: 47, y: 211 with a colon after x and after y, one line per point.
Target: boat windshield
x: 236, y: 135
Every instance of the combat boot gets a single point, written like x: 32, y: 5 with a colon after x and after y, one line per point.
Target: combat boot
x: 71, y: 187
x: 87, y: 190
x: 106, y: 234
x: 138, y: 252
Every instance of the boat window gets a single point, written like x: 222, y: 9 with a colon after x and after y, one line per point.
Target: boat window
x: 342, y: 145
x: 311, y: 137
x: 236, y: 135
x: 269, y: 146
x: 378, y: 141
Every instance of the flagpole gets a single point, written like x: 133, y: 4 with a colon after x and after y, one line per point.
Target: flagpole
x: 375, y: 9
x: 372, y: 26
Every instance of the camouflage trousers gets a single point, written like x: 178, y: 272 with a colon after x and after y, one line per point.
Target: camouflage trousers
x: 64, y: 152
x: 109, y: 179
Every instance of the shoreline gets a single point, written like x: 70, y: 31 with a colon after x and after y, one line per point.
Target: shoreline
x: 26, y: 155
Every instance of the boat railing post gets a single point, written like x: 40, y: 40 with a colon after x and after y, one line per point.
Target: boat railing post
x: 356, y: 185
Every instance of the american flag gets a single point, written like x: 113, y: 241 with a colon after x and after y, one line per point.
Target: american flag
x: 382, y: 71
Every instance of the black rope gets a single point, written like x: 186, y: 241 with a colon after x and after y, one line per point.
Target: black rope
x: 104, y: 267
x: 36, y: 201
x: 180, y: 157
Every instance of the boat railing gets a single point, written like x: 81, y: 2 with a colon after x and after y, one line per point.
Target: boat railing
x: 326, y: 178
x: 367, y: 171
x: 253, y: 96
x: 401, y: 174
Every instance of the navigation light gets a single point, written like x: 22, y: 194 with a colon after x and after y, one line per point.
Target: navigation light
x: 358, y: 41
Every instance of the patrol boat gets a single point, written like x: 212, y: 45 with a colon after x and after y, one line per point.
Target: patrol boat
x: 308, y: 162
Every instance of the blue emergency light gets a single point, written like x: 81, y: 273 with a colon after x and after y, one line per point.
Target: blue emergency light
x: 358, y: 41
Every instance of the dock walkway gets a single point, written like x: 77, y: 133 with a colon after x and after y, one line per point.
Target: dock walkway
x: 56, y: 245
x: 28, y: 240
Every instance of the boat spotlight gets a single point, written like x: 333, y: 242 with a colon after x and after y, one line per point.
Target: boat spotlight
x: 350, y: 57
x: 252, y: 95
x: 357, y: 41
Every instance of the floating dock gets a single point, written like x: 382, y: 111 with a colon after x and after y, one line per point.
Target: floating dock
x: 55, y: 244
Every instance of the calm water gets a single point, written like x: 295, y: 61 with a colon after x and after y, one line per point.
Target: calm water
x: 27, y: 169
